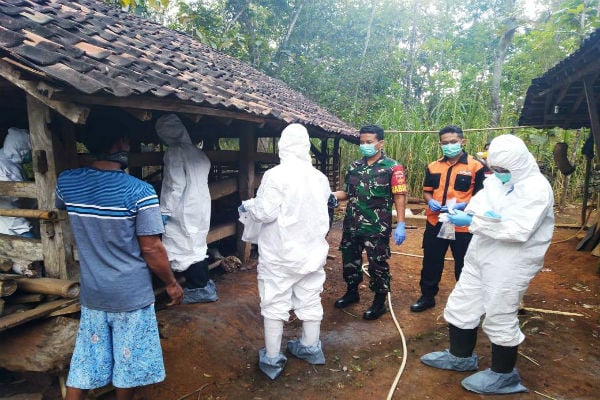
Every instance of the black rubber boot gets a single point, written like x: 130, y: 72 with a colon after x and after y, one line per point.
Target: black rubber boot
x: 462, y: 341
x: 350, y: 297
x: 504, y: 358
x: 378, y: 308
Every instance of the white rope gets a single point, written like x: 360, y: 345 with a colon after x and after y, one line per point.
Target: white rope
x: 404, y: 351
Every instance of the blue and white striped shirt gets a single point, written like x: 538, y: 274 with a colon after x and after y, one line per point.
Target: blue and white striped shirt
x: 108, y: 210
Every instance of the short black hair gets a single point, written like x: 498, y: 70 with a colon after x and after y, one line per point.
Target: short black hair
x: 452, y: 129
x: 102, y: 130
x: 377, y: 130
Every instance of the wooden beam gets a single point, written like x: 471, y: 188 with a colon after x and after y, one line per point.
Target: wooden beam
x: 12, y: 320
x: 27, y: 190
x: 149, y: 103
x: 57, y: 242
x: 28, y: 213
x: 222, y: 188
x: 70, y: 111
x: 16, y: 247
x: 221, y: 232
x: 588, y: 85
x: 248, y: 142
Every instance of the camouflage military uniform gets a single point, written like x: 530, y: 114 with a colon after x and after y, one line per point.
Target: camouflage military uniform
x: 368, y: 220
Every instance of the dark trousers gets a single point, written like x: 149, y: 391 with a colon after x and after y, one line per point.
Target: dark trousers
x: 378, y: 252
x: 197, y: 275
x: 434, y: 251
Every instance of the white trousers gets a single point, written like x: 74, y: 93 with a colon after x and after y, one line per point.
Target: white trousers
x: 283, y: 291
x: 494, y: 288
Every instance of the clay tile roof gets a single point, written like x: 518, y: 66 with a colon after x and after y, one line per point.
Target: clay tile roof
x: 87, y: 47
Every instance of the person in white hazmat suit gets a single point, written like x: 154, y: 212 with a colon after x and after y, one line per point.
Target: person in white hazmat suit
x: 512, y: 222
x: 186, y: 206
x: 291, y: 204
x: 15, y: 152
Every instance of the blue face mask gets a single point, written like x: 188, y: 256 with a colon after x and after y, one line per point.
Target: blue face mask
x: 452, y: 149
x: 503, y: 176
x: 368, y: 150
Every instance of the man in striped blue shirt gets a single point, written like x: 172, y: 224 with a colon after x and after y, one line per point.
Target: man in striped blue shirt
x: 117, y: 224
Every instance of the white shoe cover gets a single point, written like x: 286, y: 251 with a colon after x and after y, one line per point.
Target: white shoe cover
x: 446, y: 360
x: 490, y: 382
x: 311, y: 354
x: 271, y: 366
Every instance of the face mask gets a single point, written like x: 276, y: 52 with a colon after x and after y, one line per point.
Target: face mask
x: 121, y: 157
x: 503, y: 176
x: 452, y: 150
x: 368, y: 150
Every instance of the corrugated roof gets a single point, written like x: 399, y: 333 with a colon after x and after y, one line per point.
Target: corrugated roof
x: 557, y: 98
x: 90, y: 48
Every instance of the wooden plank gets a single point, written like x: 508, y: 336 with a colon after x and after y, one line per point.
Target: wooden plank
x: 222, y: 188
x: 19, y: 248
x: 150, y: 103
x: 26, y: 190
x: 25, y: 298
x: 60, y: 287
x: 221, y: 232
x: 12, y: 320
x: 73, y: 308
x: 247, y: 173
x: 55, y: 235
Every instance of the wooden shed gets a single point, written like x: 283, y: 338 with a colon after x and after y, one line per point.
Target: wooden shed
x: 63, y: 61
x: 568, y: 96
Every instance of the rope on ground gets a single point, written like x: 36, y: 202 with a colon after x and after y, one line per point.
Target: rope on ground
x: 416, y: 255
x: 404, y: 351
x: 576, y: 233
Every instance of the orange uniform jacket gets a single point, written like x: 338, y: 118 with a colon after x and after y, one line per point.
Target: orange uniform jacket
x: 459, y: 181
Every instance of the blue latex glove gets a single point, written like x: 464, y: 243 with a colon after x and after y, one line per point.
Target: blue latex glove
x: 460, y: 206
x: 27, y: 234
x: 165, y: 218
x: 434, y: 205
x: 332, y: 202
x: 400, y: 233
x: 457, y: 206
x: 241, y: 208
x: 460, y: 218
x: 492, y: 214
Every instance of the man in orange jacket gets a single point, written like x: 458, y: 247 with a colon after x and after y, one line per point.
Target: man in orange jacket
x: 456, y: 176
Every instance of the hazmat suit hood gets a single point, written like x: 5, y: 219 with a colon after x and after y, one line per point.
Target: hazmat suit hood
x: 16, y: 145
x: 294, y: 144
x: 511, y: 153
x: 171, y: 130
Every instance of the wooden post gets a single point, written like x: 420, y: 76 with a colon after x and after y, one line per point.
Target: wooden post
x: 248, y: 142
x: 56, y: 237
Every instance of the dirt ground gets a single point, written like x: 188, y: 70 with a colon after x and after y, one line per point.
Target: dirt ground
x: 210, y: 350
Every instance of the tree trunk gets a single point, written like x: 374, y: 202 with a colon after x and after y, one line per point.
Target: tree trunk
x: 505, y: 41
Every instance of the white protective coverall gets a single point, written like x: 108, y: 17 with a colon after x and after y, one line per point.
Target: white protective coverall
x: 185, y: 197
x: 17, y: 145
x: 504, y: 255
x: 291, y: 204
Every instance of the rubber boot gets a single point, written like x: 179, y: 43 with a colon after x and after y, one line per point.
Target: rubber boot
x: 378, y: 308
x: 504, y: 358
x: 501, y: 378
x: 460, y: 356
x: 349, y: 298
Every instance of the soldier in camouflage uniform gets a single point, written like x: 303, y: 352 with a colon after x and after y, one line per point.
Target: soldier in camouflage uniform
x: 372, y: 185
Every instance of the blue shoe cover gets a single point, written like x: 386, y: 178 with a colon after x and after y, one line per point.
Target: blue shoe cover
x: 206, y: 294
x: 446, y: 360
x: 312, y: 354
x: 272, y: 367
x: 490, y: 382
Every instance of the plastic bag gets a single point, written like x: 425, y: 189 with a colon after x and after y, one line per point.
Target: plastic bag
x: 447, y: 230
x: 251, y: 228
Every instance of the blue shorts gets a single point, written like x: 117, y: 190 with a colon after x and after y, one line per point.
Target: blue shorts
x: 118, y: 347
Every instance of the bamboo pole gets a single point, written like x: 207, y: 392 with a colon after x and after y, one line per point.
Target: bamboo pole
x: 60, y: 287
x: 8, y: 287
x: 27, y: 213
